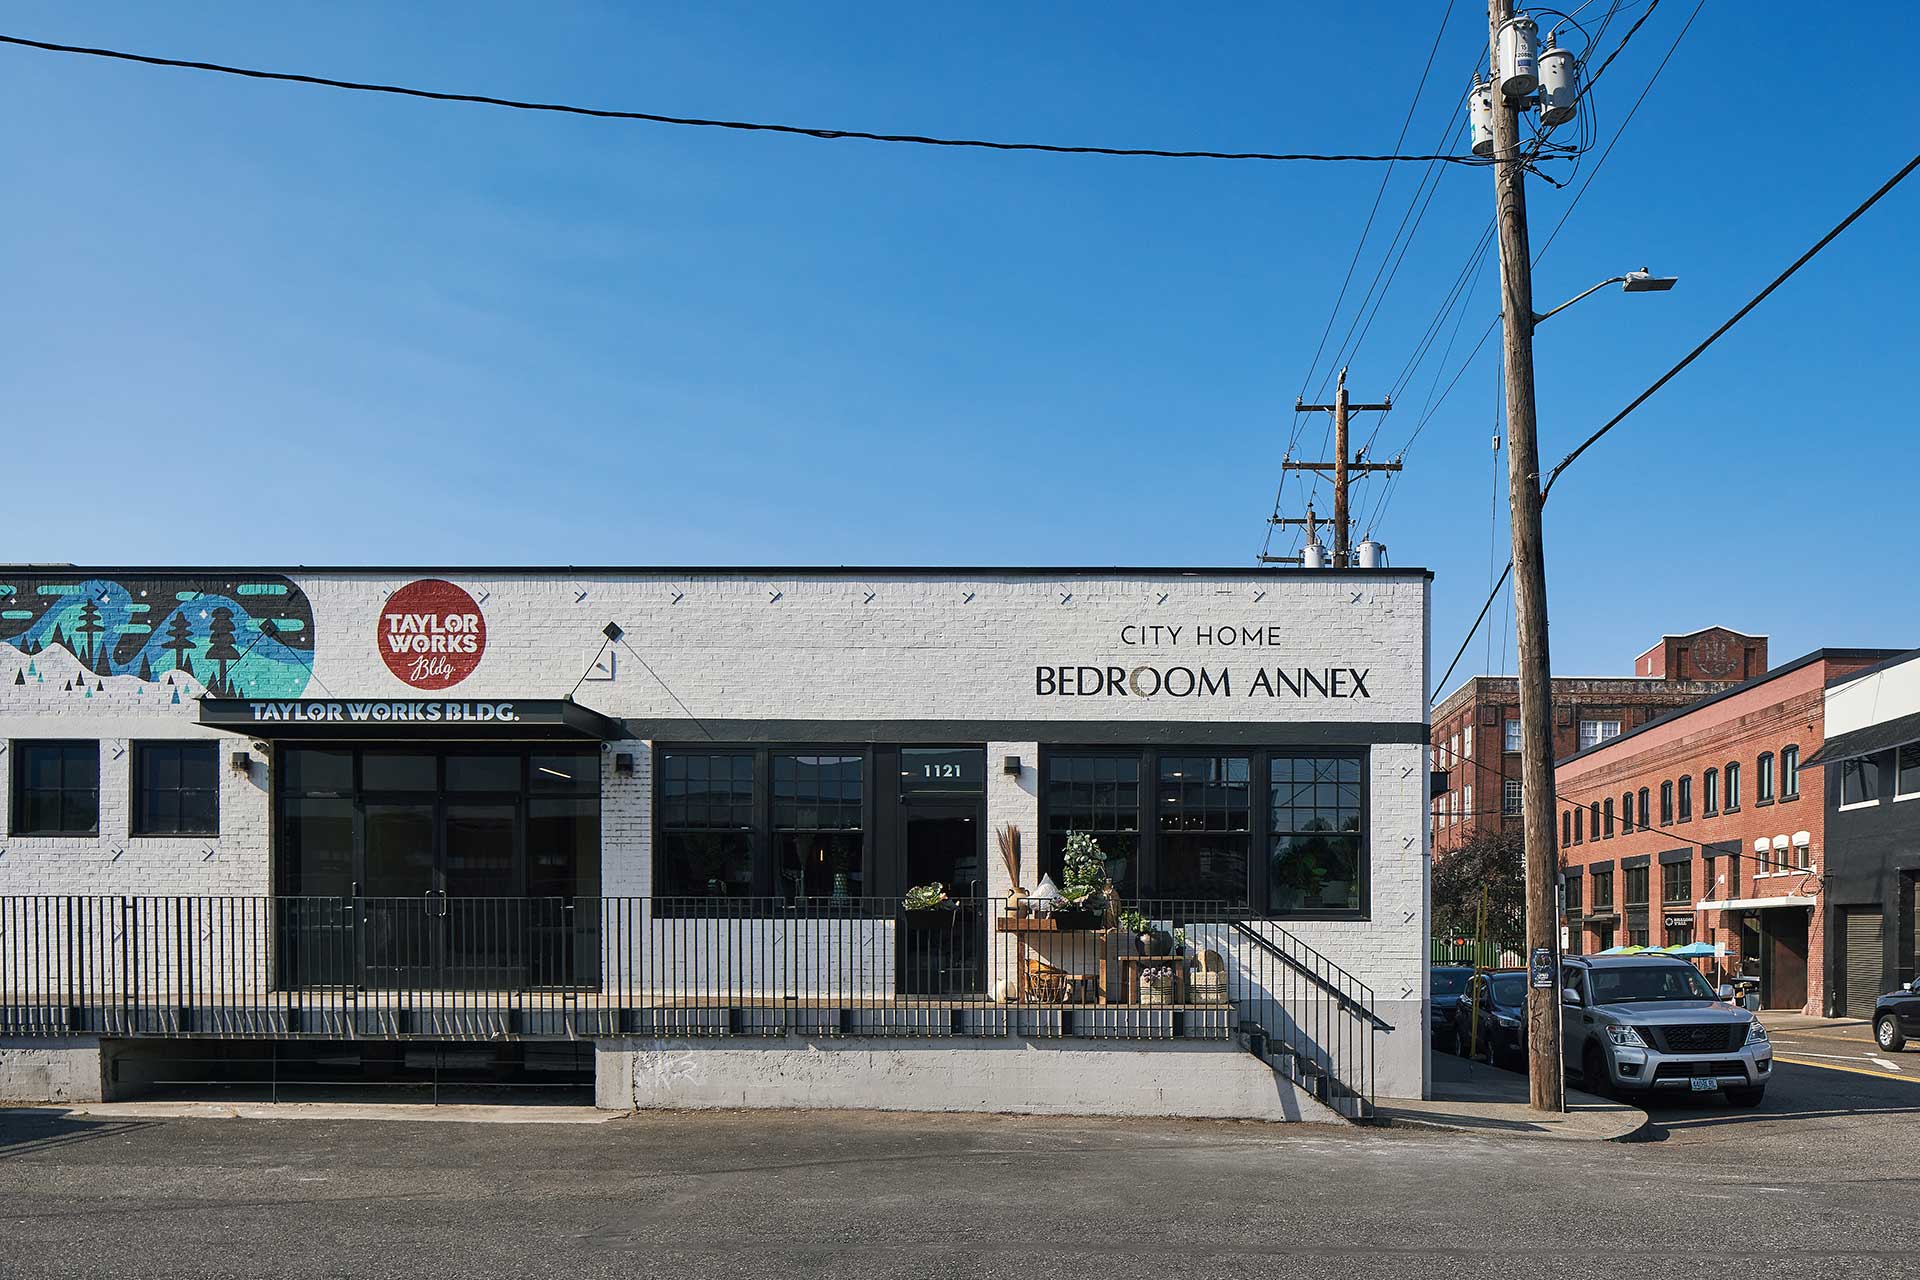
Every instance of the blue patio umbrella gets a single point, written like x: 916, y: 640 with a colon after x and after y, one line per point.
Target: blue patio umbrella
x: 1697, y: 950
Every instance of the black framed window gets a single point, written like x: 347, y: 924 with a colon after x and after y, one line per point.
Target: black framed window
x: 1608, y: 815
x: 1710, y: 793
x: 1676, y: 882
x: 1636, y: 886
x: 1763, y: 779
x: 1100, y: 795
x: 1579, y: 825
x: 1790, y: 772
x: 1626, y: 813
x: 1316, y: 834
x: 1646, y: 813
x: 1205, y: 827
x: 1666, y: 803
x: 1860, y: 780
x: 1573, y: 894
x: 176, y: 789
x: 1686, y: 798
x: 820, y: 848
x: 1906, y: 773
x: 1732, y: 776
x: 706, y: 819
x: 1602, y: 880
x: 1593, y: 820
x: 56, y: 788
x: 1566, y: 828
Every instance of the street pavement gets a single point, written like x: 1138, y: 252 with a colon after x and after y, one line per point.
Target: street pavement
x: 1821, y: 1180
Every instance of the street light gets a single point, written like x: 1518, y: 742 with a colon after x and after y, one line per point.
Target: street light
x: 1641, y: 281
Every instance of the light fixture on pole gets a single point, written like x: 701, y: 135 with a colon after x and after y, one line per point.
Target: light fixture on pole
x: 1641, y: 281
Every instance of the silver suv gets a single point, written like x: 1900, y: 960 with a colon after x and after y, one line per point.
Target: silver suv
x: 1640, y: 1023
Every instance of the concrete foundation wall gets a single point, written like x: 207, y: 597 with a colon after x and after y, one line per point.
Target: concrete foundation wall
x: 1198, y: 1079
x: 49, y: 1070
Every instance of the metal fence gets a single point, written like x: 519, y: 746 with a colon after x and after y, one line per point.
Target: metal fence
x: 445, y: 967
x: 1479, y: 953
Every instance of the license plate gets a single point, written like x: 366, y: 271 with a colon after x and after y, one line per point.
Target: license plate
x: 1703, y: 1084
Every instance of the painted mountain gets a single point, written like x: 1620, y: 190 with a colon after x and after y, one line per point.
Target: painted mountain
x: 239, y: 637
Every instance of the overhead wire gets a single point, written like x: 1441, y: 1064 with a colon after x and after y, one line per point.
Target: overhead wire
x: 804, y: 131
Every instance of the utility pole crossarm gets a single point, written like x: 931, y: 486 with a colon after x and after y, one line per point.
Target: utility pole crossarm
x: 1330, y: 466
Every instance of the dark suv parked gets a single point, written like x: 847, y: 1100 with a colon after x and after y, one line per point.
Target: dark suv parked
x: 1896, y: 1016
x: 1448, y: 983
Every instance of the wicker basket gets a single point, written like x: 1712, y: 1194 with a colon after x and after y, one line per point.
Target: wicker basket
x: 1156, y: 990
x: 1208, y: 981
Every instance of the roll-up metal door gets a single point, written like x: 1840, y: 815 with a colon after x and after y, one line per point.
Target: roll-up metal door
x: 1864, y: 977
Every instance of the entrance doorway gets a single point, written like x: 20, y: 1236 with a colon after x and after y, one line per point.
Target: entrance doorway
x: 1773, y: 947
x: 942, y: 838
x: 461, y: 867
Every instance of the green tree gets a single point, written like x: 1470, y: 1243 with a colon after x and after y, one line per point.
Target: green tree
x: 1493, y: 862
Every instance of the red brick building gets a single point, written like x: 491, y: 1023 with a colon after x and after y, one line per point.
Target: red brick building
x: 1476, y: 731
x: 1701, y: 825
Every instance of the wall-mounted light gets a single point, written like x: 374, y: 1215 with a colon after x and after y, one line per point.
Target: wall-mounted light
x: 242, y: 762
x: 1011, y: 766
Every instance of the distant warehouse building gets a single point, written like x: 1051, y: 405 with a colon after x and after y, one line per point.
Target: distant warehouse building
x: 1872, y: 764
x: 1705, y: 824
x: 1476, y: 730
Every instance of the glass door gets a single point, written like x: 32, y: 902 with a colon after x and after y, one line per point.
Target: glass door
x: 943, y: 953
x: 401, y: 935
x: 483, y: 897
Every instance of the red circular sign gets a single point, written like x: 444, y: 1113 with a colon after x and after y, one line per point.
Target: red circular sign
x: 432, y: 634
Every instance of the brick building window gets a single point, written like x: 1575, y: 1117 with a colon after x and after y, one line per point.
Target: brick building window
x: 1666, y: 803
x: 1593, y: 820
x: 1733, y: 786
x: 1626, y: 813
x: 1510, y: 741
x: 1710, y: 793
x: 1579, y: 834
x: 1573, y: 895
x: 1686, y: 798
x: 1636, y: 887
x: 1790, y: 773
x: 1566, y: 828
x: 1602, y: 878
x: 1595, y: 732
x: 1676, y: 882
x: 1763, y: 778
x: 1608, y: 815
x: 1510, y: 795
x: 176, y: 789
x: 1645, y: 815
x: 56, y: 788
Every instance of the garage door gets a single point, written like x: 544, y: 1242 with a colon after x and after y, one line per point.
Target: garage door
x: 1863, y: 978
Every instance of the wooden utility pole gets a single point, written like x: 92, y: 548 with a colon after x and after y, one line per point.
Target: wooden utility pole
x: 1529, y: 587
x: 1310, y: 522
x: 1343, y: 464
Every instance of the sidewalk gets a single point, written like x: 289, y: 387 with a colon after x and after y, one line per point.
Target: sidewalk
x: 1476, y: 1098
x: 1783, y: 1020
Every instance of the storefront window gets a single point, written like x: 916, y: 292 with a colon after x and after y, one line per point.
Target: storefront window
x: 706, y: 825
x: 1676, y: 882
x: 1204, y: 827
x: 176, y: 788
x: 1602, y: 878
x: 1099, y: 795
x: 1314, y: 834
x: 816, y: 826
x: 1860, y: 780
x: 56, y: 788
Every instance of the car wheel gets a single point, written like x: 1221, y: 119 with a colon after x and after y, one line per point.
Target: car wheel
x: 1593, y: 1073
x: 1744, y: 1096
x: 1887, y: 1033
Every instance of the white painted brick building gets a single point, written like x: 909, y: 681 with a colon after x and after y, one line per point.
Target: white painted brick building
x: 818, y: 696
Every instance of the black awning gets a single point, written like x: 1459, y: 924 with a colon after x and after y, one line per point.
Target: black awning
x: 440, y: 719
x: 1864, y: 742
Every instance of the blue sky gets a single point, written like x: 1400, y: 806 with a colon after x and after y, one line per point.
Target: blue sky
x: 276, y: 324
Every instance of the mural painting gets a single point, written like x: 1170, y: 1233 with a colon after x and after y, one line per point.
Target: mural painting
x: 239, y: 637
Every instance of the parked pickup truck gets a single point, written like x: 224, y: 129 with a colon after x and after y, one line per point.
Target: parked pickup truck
x: 1631, y: 1025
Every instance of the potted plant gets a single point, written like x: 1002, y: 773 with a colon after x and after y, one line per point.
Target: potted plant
x: 1083, y: 883
x: 1156, y: 984
x: 924, y: 899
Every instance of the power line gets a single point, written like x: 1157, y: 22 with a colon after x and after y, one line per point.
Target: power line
x: 803, y: 131
x: 1566, y: 462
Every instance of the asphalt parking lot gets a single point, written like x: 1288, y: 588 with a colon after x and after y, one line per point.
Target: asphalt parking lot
x: 1820, y: 1180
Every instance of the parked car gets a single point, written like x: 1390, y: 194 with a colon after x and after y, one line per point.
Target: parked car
x: 1491, y: 1017
x: 1633, y: 1025
x: 1896, y: 1015
x: 1449, y: 981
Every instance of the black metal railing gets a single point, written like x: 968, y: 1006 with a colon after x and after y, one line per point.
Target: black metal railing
x: 442, y: 967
